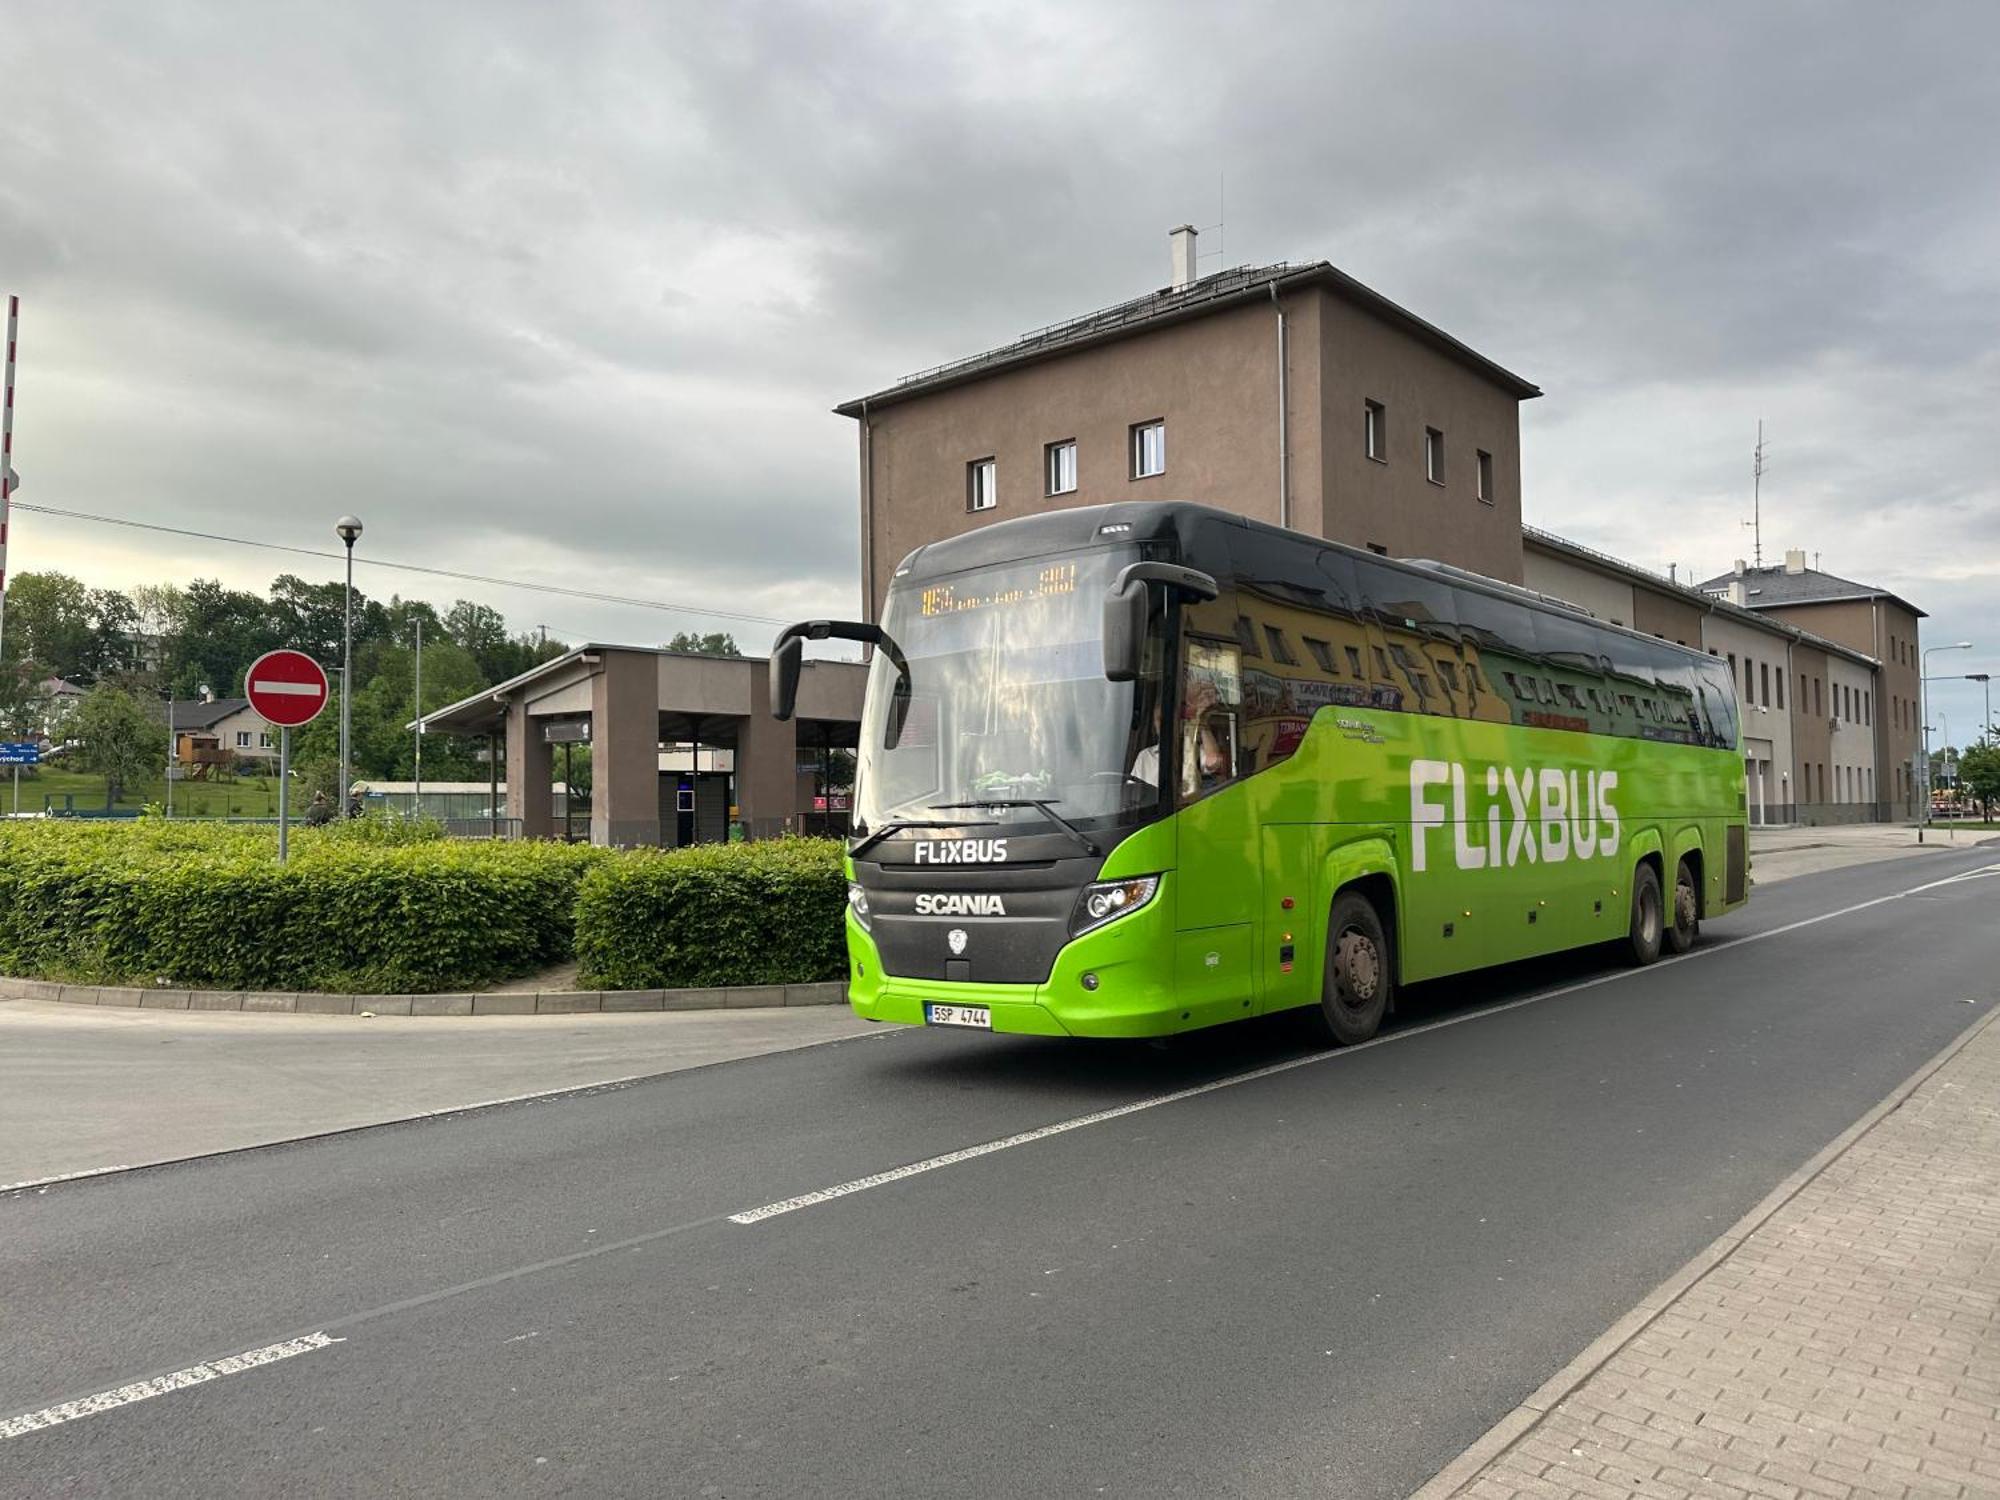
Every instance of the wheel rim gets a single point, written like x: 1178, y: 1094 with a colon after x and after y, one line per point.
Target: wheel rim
x: 1358, y: 965
x: 1684, y: 908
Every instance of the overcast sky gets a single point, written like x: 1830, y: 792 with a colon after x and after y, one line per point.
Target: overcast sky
x: 565, y: 292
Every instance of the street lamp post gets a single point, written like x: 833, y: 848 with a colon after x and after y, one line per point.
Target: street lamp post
x: 1925, y: 684
x: 1985, y: 680
x: 348, y: 529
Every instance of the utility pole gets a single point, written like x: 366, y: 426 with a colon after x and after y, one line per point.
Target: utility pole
x: 418, y: 801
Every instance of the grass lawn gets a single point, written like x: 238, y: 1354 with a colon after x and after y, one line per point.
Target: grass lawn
x: 245, y: 797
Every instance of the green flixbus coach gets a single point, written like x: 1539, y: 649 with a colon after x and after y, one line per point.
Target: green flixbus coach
x: 1134, y: 769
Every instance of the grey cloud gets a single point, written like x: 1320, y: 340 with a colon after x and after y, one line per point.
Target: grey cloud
x: 574, y: 286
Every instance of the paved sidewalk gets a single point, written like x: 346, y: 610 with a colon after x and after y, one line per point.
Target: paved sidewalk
x: 1780, y: 853
x: 1847, y: 1345
x: 85, y: 1088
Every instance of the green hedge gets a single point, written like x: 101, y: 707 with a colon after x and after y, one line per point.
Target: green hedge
x: 359, y: 908
x: 762, y: 913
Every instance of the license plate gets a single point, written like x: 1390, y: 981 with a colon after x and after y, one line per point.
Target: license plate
x: 958, y: 1015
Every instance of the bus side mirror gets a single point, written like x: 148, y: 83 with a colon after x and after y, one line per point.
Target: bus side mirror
x: 1124, y: 630
x: 1125, y: 611
x: 786, y: 658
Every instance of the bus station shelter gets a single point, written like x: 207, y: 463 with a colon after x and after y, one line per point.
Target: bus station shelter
x: 682, y: 747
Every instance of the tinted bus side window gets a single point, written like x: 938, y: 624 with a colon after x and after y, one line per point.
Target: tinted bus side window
x: 1422, y: 649
x: 1296, y: 601
x: 1499, y: 638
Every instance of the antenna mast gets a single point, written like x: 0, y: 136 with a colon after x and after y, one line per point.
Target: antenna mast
x: 1756, y: 521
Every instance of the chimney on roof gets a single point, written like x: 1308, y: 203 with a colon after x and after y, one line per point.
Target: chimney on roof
x: 1182, y: 239
x: 1738, y: 568
x: 1739, y: 592
x: 1795, y: 559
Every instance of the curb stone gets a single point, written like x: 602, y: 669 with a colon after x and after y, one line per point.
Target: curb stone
x: 533, y: 1003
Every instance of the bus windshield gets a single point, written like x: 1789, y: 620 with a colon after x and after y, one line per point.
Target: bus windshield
x: 1005, y: 704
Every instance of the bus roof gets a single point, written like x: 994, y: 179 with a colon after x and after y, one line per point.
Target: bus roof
x: 1177, y: 520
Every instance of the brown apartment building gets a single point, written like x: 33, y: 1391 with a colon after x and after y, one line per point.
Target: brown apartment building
x: 1864, y: 618
x: 1291, y: 393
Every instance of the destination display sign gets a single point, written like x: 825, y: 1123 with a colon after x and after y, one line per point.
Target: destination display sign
x: 1053, y: 581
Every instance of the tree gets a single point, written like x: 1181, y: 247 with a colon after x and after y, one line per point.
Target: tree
x: 49, y: 621
x: 715, y: 643
x: 216, y: 634
x: 1979, y: 769
x: 122, y: 738
x: 308, y: 616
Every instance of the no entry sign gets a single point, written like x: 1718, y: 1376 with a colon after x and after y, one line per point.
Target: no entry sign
x: 287, y: 687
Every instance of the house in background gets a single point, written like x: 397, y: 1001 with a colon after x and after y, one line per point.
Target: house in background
x: 1870, y: 725
x: 214, y: 731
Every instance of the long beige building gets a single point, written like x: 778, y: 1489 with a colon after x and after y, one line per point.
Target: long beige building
x: 1297, y: 395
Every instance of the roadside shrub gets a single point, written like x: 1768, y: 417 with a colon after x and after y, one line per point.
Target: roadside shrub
x: 762, y: 913
x: 208, y: 906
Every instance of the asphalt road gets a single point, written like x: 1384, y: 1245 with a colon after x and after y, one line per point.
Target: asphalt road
x: 1324, y: 1279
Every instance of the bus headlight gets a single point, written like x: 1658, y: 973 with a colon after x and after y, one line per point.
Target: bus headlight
x: 1108, y: 900
x: 857, y: 901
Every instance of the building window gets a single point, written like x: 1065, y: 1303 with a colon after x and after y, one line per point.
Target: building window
x: 1781, y: 687
x: 1819, y: 707
x: 1322, y: 652
x: 1062, y: 467
x: 1281, y: 651
x: 1246, y: 636
x: 1485, y: 476
x: 1868, y: 710
x: 1433, y: 455
x: 1749, y: 684
x: 981, y: 484
x: 263, y: 742
x: 1354, y: 667
x: 242, y: 739
x: 1378, y: 549
x: 1374, y: 436
x: 1764, y: 683
x: 1149, y: 449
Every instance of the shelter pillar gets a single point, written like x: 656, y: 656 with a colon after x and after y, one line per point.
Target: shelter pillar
x: 625, y: 750
x: 530, y: 796
x: 767, y: 753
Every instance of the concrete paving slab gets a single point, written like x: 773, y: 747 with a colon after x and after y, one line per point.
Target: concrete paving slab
x: 441, y: 1005
x: 634, y: 1000
x: 503, y: 1005
x: 85, y: 1089
x: 568, y: 1003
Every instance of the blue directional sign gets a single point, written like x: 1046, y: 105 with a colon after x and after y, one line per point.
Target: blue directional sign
x: 25, y: 753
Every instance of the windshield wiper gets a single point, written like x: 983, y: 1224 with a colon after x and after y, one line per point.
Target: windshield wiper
x: 1045, y: 809
x: 869, y: 841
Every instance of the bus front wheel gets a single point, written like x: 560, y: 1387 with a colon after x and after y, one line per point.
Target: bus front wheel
x: 1360, y: 971
x: 1648, y: 916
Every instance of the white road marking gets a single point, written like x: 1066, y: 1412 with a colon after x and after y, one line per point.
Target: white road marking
x: 1099, y: 1117
x: 290, y: 689
x: 161, y: 1385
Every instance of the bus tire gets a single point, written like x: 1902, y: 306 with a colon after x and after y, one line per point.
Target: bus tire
x: 1686, y: 923
x: 1359, y: 977
x: 1648, y: 916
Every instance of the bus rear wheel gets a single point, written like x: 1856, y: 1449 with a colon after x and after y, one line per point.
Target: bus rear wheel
x: 1360, y: 971
x: 1648, y: 916
x: 1686, y: 924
